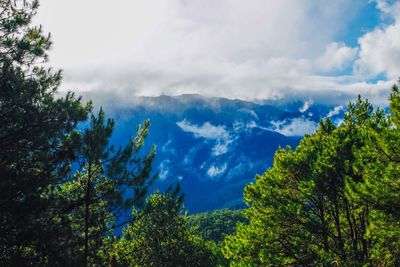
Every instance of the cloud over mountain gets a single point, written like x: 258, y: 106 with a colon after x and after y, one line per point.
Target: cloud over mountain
x: 237, y: 49
x: 295, y: 127
x: 219, y: 134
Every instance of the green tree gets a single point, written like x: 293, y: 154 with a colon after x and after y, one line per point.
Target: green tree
x: 62, y: 189
x: 106, y: 186
x: 36, y: 134
x: 160, y: 236
x: 305, y: 211
x: 214, y: 225
x: 379, y: 162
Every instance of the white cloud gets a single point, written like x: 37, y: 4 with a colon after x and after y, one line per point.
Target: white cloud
x: 337, y: 56
x: 240, y: 126
x: 380, y: 52
x: 306, y: 106
x: 221, y: 148
x: 237, y: 49
x: 207, y: 130
x: 335, y: 111
x: 295, y: 127
x: 380, y: 48
x: 163, y: 170
x: 215, y: 170
x: 389, y: 8
x: 219, y: 134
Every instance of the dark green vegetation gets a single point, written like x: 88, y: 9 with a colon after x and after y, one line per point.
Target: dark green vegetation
x: 160, y: 236
x: 61, y: 188
x: 64, y: 191
x: 334, y: 201
x: 214, y: 225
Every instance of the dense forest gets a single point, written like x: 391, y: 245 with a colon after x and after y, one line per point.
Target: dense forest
x: 70, y: 198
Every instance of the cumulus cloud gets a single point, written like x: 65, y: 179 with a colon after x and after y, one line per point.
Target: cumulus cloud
x: 237, y: 49
x: 337, y: 56
x: 380, y: 52
x: 380, y: 48
x: 389, y: 7
x: 295, y: 127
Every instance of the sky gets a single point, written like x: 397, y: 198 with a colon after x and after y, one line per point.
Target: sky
x: 321, y: 51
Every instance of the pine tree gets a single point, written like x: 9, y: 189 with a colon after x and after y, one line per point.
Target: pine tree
x: 160, y: 236
x: 379, y: 161
x: 36, y: 133
x: 105, y: 187
x: 62, y: 188
x: 304, y: 211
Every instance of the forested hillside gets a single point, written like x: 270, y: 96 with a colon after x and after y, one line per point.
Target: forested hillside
x: 332, y: 201
x: 213, y: 146
x: 215, y: 225
x: 70, y: 196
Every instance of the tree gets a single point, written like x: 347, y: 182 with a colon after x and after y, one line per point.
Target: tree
x: 105, y: 187
x: 379, y: 161
x: 160, y: 236
x: 214, y: 225
x: 62, y: 188
x: 36, y: 133
x: 305, y: 210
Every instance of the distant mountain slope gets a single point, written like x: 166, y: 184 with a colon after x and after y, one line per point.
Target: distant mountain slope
x: 214, y: 146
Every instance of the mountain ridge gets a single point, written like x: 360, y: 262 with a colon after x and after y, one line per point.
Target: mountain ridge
x: 213, y: 147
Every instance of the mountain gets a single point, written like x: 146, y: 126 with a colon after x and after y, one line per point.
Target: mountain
x: 213, y: 147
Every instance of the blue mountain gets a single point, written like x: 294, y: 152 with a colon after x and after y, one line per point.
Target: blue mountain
x: 213, y: 147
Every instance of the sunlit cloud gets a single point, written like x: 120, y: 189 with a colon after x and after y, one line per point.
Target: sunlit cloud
x: 252, y: 50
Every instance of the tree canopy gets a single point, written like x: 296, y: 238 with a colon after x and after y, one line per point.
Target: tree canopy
x: 61, y: 186
x: 66, y: 191
x: 331, y: 201
x: 161, y: 236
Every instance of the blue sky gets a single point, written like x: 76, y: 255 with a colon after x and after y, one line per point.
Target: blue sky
x: 366, y: 18
x: 327, y: 51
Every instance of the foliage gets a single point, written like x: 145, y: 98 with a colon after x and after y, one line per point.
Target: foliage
x: 105, y: 186
x: 314, y: 206
x: 160, y: 236
x: 61, y: 188
x: 379, y: 162
x: 333, y: 201
x: 36, y: 135
x: 214, y: 225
